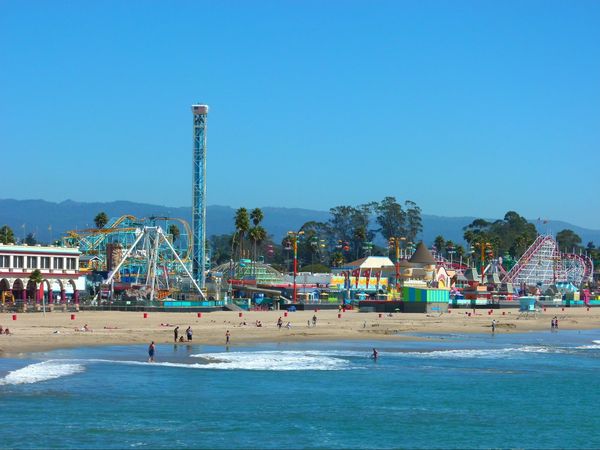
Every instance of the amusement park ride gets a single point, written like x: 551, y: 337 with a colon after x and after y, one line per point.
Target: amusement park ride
x: 542, y: 264
x: 137, y: 252
x: 148, y: 247
x: 121, y: 232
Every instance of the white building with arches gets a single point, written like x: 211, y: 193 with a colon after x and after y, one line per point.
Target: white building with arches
x: 59, y: 267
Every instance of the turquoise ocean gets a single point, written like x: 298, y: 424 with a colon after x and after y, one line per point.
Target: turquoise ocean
x: 532, y: 390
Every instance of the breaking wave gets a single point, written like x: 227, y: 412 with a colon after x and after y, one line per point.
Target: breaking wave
x: 43, y: 371
x: 274, y: 360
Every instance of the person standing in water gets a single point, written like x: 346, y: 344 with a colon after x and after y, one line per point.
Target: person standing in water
x: 176, y: 333
x: 227, y: 336
x: 189, y: 333
x: 493, y: 326
x: 151, y: 350
x: 375, y: 354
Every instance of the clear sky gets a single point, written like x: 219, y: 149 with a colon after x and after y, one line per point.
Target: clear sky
x: 465, y: 107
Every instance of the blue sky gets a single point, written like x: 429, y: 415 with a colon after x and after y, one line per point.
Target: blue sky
x: 466, y: 107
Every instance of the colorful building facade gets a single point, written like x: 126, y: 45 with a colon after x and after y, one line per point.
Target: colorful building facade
x: 58, y: 266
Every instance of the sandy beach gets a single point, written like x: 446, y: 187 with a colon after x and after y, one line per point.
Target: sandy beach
x: 33, y: 332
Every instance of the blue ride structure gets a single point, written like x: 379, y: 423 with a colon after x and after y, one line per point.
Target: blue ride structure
x: 200, y: 113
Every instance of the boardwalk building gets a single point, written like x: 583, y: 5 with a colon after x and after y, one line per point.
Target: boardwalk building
x: 59, y: 267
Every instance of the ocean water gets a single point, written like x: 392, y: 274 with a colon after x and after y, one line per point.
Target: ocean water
x: 534, y: 390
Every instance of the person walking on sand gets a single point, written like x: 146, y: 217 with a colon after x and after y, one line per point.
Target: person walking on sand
x: 176, y: 333
x: 279, y: 322
x: 188, y: 332
x: 493, y: 326
x: 227, y: 336
x: 315, y: 320
x: 151, y: 350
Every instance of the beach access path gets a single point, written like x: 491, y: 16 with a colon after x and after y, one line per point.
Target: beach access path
x: 32, y: 332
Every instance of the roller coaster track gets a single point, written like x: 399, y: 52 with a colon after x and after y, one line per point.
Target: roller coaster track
x: 543, y: 262
x: 91, y: 238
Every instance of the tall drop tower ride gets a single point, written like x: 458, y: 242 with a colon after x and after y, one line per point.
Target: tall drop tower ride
x: 200, y: 113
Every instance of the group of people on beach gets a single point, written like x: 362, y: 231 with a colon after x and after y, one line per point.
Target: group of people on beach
x: 4, y: 330
x: 188, y: 331
x: 554, y: 323
x: 188, y: 334
x: 280, y: 324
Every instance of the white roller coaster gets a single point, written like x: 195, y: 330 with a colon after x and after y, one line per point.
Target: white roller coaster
x: 544, y: 263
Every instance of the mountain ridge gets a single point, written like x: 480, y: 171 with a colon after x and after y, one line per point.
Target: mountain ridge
x: 50, y: 220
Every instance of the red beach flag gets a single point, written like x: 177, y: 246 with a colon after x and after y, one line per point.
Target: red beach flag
x: 368, y: 275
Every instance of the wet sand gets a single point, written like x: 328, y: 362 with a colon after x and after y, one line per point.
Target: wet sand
x: 32, y: 332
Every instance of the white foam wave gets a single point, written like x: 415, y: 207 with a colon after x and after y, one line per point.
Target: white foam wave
x: 273, y: 360
x: 594, y: 346
x: 286, y: 360
x: 144, y: 363
x: 339, y: 359
x: 43, y: 371
x: 483, y: 353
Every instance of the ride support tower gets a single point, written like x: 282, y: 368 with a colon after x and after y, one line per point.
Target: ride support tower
x: 200, y: 113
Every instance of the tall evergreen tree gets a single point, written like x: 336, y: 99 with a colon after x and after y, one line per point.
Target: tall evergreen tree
x: 568, y: 240
x: 7, y: 236
x: 391, y: 218
x: 414, y: 223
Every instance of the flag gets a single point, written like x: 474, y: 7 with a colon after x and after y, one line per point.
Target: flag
x: 368, y: 275
x: 378, y: 275
x: 356, y: 275
x: 345, y: 275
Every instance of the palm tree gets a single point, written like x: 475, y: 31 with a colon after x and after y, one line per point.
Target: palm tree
x: 257, y: 234
x: 101, y: 219
x: 242, y: 225
x: 37, y: 278
x: 439, y: 243
x: 337, y: 259
x: 256, y: 216
x: 174, y: 231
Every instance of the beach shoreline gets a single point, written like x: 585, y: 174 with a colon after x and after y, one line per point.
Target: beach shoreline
x: 32, y: 332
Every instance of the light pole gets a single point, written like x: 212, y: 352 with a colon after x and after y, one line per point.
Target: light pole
x: 294, y: 235
x: 451, y: 251
x: 395, y: 243
x: 483, y: 246
x: 230, y: 293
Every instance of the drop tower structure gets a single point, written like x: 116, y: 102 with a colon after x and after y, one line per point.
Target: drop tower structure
x: 200, y: 113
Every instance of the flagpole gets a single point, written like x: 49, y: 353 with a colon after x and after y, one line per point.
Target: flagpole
x: 347, y: 286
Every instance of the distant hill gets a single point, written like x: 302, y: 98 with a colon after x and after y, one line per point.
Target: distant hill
x: 36, y: 216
